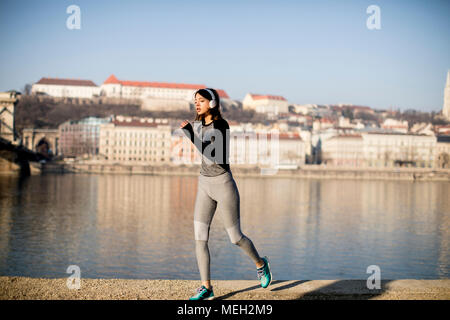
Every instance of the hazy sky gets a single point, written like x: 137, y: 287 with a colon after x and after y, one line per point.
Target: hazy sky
x: 307, y: 51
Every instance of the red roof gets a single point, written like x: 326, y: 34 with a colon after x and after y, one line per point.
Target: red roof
x: 222, y: 93
x: 290, y: 136
x: 67, y: 82
x: 326, y: 120
x: 113, y: 80
x: 267, y: 96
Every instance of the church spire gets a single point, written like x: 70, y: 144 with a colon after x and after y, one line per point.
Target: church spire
x: 448, y: 79
x: 446, y: 107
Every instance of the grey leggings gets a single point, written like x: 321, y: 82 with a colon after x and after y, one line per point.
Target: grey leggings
x: 222, y: 193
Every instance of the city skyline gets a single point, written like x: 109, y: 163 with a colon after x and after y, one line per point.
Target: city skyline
x: 308, y: 52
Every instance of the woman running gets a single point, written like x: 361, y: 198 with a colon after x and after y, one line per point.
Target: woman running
x: 216, y: 189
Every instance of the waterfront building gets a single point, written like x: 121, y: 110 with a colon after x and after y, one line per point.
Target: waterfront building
x: 267, y: 147
x: 381, y: 150
x: 442, y: 152
x: 249, y: 146
x: 343, y: 150
x: 393, y: 150
x: 291, y: 149
x: 80, y: 137
x: 133, y: 140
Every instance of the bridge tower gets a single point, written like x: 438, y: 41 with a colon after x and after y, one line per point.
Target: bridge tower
x: 8, y: 102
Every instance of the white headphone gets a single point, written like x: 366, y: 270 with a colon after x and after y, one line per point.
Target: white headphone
x: 213, y: 102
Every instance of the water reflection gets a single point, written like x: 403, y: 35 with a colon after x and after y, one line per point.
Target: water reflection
x: 122, y: 226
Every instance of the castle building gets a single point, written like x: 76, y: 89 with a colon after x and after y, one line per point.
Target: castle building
x: 155, y: 95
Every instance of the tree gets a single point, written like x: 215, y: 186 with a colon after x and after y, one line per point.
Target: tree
x: 27, y: 89
x: 367, y: 116
x: 348, y: 113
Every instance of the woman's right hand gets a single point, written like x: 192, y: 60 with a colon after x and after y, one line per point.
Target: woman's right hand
x: 184, y: 123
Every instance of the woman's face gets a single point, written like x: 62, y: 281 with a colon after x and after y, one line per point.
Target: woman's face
x: 201, y: 104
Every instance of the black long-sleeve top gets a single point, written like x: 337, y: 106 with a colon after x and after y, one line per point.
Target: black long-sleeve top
x: 209, y: 141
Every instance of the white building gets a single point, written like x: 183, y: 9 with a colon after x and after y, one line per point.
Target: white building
x: 80, y: 137
x: 344, y: 150
x: 423, y: 128
x: 390, y: 149
x: 269, y: 104
x: 248, y: 148
x: 155, y: 95
x: 66, y: 88
x: 291, y: 148
x: 372, y: 149
x: 442, y: 152
x: 132, y: 140
x: 267, y: 148
x: 395, y: 125
x: 305, y: 109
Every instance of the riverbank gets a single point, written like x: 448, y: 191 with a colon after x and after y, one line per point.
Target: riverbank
x: 305, y: 172
x: 19, y: 288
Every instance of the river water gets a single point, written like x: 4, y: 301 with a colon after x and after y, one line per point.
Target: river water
x: 141, y: 227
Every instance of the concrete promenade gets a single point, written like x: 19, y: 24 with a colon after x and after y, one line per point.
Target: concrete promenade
x: 16, y: 288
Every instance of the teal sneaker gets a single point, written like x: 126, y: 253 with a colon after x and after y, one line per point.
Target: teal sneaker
x: 203, y: 294
x: 264, y: 273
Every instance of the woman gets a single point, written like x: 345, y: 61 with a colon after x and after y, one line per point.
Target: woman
x: 216, y: 189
